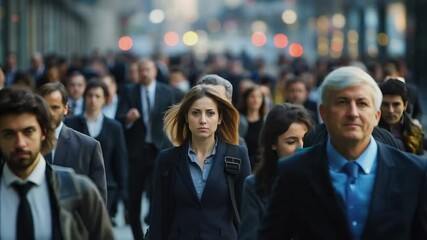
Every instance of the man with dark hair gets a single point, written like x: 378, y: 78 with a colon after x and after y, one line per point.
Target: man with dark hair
x: 297, y: 93
x: 40, y: 201
x: 395, y: 119
x: 75, y: 150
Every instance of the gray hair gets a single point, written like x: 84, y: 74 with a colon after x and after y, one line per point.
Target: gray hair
x: 213, y: 79
x: 345, y: 77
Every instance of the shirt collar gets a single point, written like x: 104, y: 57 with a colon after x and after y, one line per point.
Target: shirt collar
x: 98, y: 119
x: 58, y: 130
x: 36, y: 177
x: 150, y: 87
x: 192, y: 152
x: 366, y: 160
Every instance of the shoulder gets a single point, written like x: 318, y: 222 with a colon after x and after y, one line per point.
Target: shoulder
x: 112, y: 123
x: 301, y: 160
x: 400, y: 158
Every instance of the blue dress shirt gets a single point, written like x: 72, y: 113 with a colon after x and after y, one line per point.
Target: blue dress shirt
x: 364, y: 183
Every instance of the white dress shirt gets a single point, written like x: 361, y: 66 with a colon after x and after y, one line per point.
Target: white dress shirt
x: 38, y: 197
x: 95, y: 126
x: 110, y: 110
x: 151, y: 96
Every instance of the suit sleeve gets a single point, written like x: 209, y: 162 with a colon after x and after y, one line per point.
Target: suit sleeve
x: 120, y: 161
x: 97, y: 170
x: 156, y: 224
x: 279, y: 220
x: 94, y: 213
x: 250, y: 213
x: 419, y: 225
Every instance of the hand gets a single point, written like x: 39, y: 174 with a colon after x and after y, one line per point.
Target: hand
x: 132, y: 115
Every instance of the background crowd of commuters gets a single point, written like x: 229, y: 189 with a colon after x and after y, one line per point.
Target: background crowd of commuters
x: 118, y: 119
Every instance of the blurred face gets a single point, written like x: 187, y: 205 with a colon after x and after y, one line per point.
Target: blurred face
x: 2, y: 79
x: 147, y: 72
x: 289, y: 141
x: 133, y: 73
x: 392, y: 109
x: 57, y: 109
x: 94, y: 99
x: 219, y: 89
x: 255, y: 99
x: 203, y: 118
x: 112, y: 88
x: 76, y: 87
x: 20, y: 142
x: 297, y: 93
x: 350, y: 115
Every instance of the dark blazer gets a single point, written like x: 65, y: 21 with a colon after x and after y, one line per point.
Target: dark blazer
x: 253, y: 210
x: 208, y: 218
x: 83, y: 154
x: 319, y: 133
x: 113, y: 147
x: 304, y: 204
x: 135, y: 135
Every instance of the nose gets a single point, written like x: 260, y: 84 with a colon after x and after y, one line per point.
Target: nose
x: 20, y: 141
x: 300, y: 143
x: 353, y: 111
x: 203, y: 118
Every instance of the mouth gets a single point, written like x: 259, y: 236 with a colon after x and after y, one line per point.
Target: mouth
x: 203, y: 129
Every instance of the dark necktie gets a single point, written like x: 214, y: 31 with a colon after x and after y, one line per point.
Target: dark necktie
x: 24, y: 223
x: 147, y: 98
x: 351, y: 169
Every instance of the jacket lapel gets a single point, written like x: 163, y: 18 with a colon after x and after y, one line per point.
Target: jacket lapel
x: 217, y: 172
x: 184, y: 170
x: 321, y: 184
x: 384, y: 187
x: 62, y: 146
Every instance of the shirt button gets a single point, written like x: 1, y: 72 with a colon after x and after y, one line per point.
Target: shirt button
x: 206, y: 161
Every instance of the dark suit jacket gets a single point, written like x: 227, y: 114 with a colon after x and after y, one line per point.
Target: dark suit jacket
x: 135, y: 135
x: 319, y: 133
x: 208, y: 218
x: 304, y: 204
x: 83, y: 154
x: 113, y: 147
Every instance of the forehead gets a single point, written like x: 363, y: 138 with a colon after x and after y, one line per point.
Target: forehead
x: 146, y: 65
x: 18, y: 121
x: 53, y: 97
x: 392, y: 98
x: 204, y: 103
x: 77, y: 79
x: 353, y: 92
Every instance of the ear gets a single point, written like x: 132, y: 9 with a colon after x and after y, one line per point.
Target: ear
x: 66, y: 109
x: 377, y: 116
x: 405, y: 105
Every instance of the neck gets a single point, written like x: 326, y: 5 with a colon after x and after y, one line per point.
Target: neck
x: 203, y: 146
x: 351, y: 150
x: 252, y: 115
x: 92, y: 115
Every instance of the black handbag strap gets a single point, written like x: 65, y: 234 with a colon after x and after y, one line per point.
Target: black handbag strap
x: 232, y: 163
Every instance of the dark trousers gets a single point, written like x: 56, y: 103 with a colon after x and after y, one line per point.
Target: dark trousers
x: 140, y: 175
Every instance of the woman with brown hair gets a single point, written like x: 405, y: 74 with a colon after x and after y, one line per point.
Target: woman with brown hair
x: 192, y: 197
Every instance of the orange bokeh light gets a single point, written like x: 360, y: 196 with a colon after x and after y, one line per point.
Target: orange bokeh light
x: 259, y: 39
x: 125, y: 43
x: 296, y: 50
x: 280, y: 40
x: 171, y: 38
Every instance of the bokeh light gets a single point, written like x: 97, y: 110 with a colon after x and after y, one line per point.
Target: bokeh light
x: 280, y: 40
x: 171, y: 38
x: 289, y: 17
x: 296, y: 50
x: 259, y: 39
x: 190, y: 38
x: 259, y: 26
x: 157, y: 16
x: 382, y: 39
x: 125, y: 43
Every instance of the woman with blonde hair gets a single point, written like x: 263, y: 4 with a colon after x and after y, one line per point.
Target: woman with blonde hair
x: 192, y: 196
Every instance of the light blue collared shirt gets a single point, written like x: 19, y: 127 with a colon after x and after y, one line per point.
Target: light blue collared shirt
x: 198, y: 175
x: 38, y: 197
x: 110, y: 110
x: 364, y: 183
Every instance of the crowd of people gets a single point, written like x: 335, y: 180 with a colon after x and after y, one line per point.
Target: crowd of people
x: 227, y: 148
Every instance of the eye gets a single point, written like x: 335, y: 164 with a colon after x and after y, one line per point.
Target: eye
x: 29, y: 131
x: 210, y: 113
x: 195, y: 113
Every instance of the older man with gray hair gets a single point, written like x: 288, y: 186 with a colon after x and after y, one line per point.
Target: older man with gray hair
x: 350, y: 186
